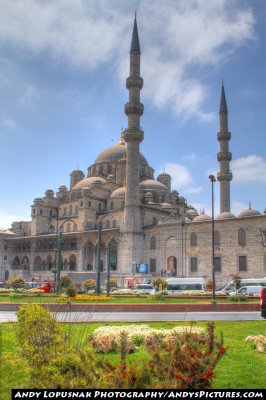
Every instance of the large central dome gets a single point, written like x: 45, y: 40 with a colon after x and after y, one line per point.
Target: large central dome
x: 116, y: 153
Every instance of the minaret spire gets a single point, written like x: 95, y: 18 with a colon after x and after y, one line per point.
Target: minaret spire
x: 224, y: 156
x: 131, y: 226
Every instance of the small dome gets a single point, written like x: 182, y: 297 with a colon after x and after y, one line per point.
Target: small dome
x: 164, y: 174
x: 151, y: 184
x: 120, y: 192
x: 225, y: 215
x: 249, y: 213
x: 4, y: 231
x: 88, y: 182
x: 166, y: 205
x: 202, y: 217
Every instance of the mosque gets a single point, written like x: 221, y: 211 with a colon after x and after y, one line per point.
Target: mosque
x: 119, y: 216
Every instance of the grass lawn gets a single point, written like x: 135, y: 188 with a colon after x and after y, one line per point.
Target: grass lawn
x: 240, y: 367
x: 114, y: 300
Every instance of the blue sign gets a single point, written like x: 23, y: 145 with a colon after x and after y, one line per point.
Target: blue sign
x: 142, y: 268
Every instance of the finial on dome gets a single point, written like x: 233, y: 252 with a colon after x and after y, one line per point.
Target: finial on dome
x: 121, y: 141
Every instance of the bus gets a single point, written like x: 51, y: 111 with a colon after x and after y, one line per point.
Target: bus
x: 180, y: 285
x: 230, y: 287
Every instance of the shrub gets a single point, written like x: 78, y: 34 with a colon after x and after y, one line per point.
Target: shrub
x: 112, y: 282
x: 209, y: 284
x: 16, y: 282
x: 71, y: 291
x: 89, y: 284
x: 65, y: 282
x: 237, y: 298
x: 40, y: 336
x: 104, y: 344
x: 185, y: 362
x: 159, y: 295
x: 159, y: 282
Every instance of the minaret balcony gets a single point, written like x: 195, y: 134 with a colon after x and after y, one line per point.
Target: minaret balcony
x: 224, y: 176
x: 224, y: 136
x: 134, y: 81
x: 135, y: 135
x: 224, y: 156
x: 134, y: 108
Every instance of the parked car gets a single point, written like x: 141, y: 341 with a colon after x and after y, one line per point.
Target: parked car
x: 145, y: 288
x: 247, y: 291
x: 263, y: 302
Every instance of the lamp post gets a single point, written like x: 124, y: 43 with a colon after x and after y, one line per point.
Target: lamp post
x: 98, y: 272
x: 212, y: 180
x: 108, y: 267
x: 58, y: 260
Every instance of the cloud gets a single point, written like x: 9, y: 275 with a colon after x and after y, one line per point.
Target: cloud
x: 181, y: 178
x: 8, y: 122
x: 177, y: 38
x: 249, y: 169
x: 6, y: 219
x: 237, y: 207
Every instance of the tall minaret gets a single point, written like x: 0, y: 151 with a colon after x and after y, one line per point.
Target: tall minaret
x: 131, y: 226
x: 224, y: 156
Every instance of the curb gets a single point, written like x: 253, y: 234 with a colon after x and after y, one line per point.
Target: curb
x: 100, y: 307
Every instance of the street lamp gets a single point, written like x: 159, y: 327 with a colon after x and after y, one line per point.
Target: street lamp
x: 213, y: 179
x: 98, y: 272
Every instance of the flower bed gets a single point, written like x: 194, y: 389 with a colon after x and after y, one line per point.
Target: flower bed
x: 108, y: 338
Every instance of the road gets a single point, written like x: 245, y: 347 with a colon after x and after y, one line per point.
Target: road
x: 10, y: 316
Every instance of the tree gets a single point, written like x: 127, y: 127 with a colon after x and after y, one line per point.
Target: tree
x: 237, y: 281
x: 159, y: 282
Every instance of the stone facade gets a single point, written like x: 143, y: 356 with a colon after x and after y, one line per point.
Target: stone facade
x: 142, y: 220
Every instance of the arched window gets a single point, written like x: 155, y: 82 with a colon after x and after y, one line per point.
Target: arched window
x: 193, y: 240
x: 113, y: 255
x: 153, y: 243
x: 114, y: 224
x: 16, y: 263
x: 107, y: 224
x: 51, y: 229
x: 72, y: 263
x: 217, y: 239
x: 70, y: 210
x: 68, y: 228
x: 154, y: 221
x: 242, y: 241
x: 37, y: 264
x: 75, y: 228
x: 49, y: 263
x: 76, y: 210
x: 65, y: 210
x: 88, y: 259
x: 25, y: 264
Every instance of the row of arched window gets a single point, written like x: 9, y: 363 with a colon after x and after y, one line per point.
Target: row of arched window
x: 242, y: 239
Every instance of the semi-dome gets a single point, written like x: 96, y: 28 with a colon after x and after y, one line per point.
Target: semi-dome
x: 115, y: 154
x: 202, y: 217
x: 225, y: 215
x: 250, y: 212
x: 120, y: 192
x: 151, y: 184
x: 88, y: 182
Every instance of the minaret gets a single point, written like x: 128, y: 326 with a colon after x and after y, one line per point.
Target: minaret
x: 224, y: 156
x: 131, y: 226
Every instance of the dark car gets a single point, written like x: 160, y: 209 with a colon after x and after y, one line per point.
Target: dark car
x: 263, y: 303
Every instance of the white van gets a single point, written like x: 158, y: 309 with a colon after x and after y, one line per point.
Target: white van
x: 248, y: 291
x: 180, y: 285
x: 230, y: 287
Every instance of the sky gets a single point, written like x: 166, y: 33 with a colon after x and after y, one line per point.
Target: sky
x: 63, y: 66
